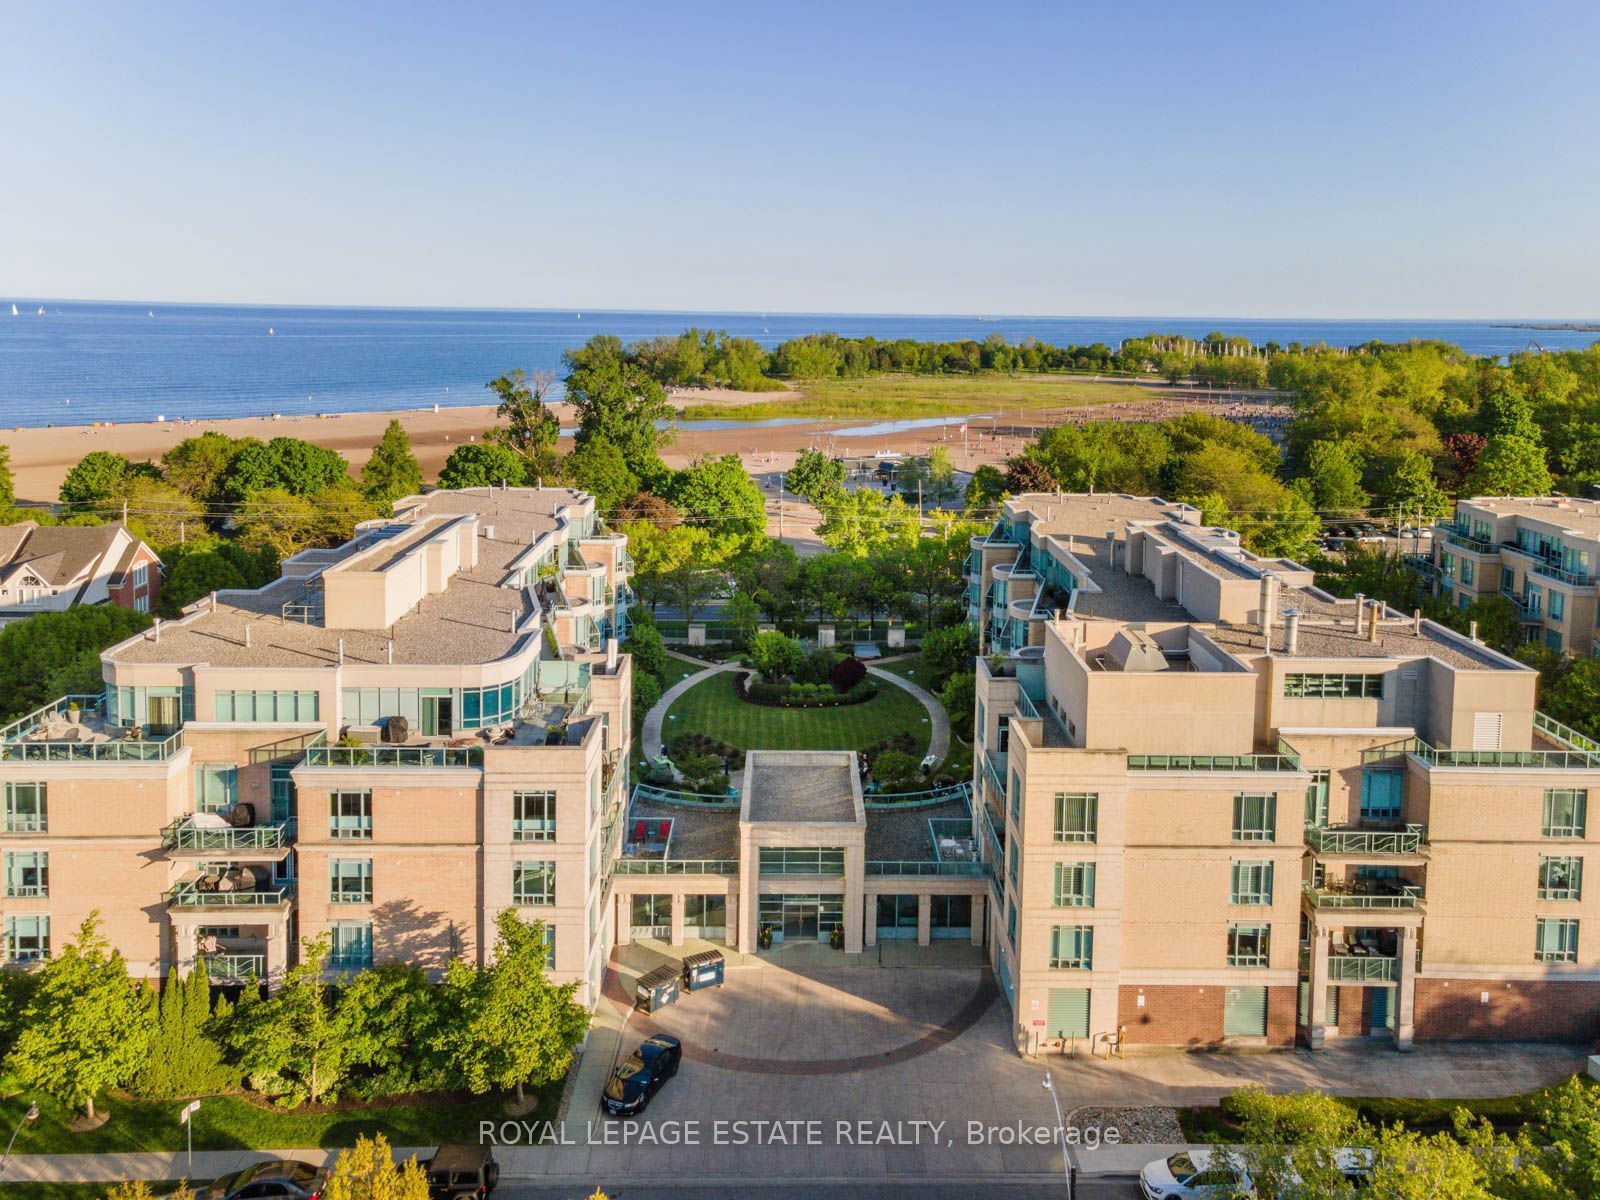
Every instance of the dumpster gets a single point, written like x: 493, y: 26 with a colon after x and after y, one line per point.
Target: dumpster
x: 657, y: 989
x: 702, y: 970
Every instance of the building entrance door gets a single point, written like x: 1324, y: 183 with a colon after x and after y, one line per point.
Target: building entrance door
x: 438, y: 716
x: 799, y: 922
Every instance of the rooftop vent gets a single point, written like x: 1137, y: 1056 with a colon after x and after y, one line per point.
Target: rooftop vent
x: 487, y: 531
x: 1135, y: 650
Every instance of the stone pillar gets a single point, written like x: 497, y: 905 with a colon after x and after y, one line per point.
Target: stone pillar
x: 897, y: 637
x: 1317, y: 1016
x: 978, y: 918
x: 277, y: 953
x: 924, y: 919
x: 869, y: 919
x: 1405, y: 999
x: 697, y: 635
x: 678, y: 905
x: 734, y: 926
x: 824, y: 636
x: 184, y: 947
x: 624, y: 904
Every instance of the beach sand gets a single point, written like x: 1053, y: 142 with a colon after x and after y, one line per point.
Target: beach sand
x: 40, y: 458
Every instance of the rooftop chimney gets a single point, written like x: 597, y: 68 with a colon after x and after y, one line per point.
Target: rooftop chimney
x: 1269, y: 608
x: 1291, y: 631
x: 1361, y: 612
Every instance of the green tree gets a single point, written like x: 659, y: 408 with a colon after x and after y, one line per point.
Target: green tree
x: 599, y: 469
x: 743, y: 614
x: 87, y: 1026
x: 719, y: 494
x: 959, y: 697
x: 646, y: 692
x: 775, y: 654
x: 368, y: 1171
x: 1407, y: 484
x: 617, y: 400
x: 815, y: 476
x: 160, y: 513
x: 184, y: 1059
x: 1289, y: 1144
x: 393, y: 471
x: 864, y: 522
x: 96, y: 482
x: 199, y: 465
x: 531, y: 428
x: 1572, y: 696
x: 388, y: 1017
x: 928, y: 571
x: 51, y: 654
x: 1498, y: 622
x: 1334, y: 469
x: 648, y: 648
x: 194, y: 576
x: 290, y: 1044
x: 986, y: 488
x: 1511, y: 466
x: 1025, y: 474
x: 510, y: 1026
x: 482, y: 464
x: 1415, y: 1166
x: 285, y: 463
x: 950, y: 650
x: 8, y: 482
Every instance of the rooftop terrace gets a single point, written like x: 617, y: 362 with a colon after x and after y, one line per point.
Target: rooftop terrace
x: 1583, y: 516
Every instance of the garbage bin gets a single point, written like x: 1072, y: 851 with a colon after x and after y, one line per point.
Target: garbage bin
x: 656, y: 989
x: 702, y: 970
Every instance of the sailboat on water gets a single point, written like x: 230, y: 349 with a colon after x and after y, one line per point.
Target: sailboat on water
x: 14, y: 311
x: 41, y: 310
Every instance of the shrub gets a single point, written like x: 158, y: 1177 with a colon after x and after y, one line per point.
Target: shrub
x: 818, y: 666
x: 775, y: 654
x: 184, y: 1060
x: 958, y: 697
x: 847, y: 674
x: 698, y: 743
x: 946, y: 651
x: 897, y: 771
x: 649, y: 651
x: 646, y: 691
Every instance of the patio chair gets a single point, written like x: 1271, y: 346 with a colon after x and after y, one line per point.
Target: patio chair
x: 640, y: 830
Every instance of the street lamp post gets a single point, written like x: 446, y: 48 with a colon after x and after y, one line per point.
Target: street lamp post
x: 31, y: 1115
x: 1061, y: 1132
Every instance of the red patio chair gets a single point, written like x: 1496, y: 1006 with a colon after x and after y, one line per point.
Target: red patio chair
x: 641, y: 830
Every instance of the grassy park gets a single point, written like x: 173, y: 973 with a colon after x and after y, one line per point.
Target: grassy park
x: 712, y: 708
x: 900, y: 396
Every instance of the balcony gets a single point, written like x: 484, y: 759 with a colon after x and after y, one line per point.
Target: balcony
x: 74, y: 729
x: 1232, y: 763
x: 1403, y: 897
x: 994, y: 840
x: 185, y: 836
x: 1422, y: 563
x: 1536, y: 760
x: 1550, y: 568
x: 1357, y: 968
x: 995, y: 773
x: 1366, y: 843
x: 378, y: 755
x: 1530, y: 613
x: 211, y: 892
x: 233, y: 968
x: 1459, y: 537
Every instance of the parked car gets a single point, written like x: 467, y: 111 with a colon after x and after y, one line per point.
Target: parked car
x: 274, y: 1179
x: 462, y: 1172
x: 1191, y: 1173
x: 640, y: 1077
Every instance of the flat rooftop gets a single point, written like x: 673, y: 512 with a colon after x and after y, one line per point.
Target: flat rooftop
x: 802, y: 785
x: 904, y: 835
x: 1568, y: 512
x: 696, y: 832
x: 477, y: 618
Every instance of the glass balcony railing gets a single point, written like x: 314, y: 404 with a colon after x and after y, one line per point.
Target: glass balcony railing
x: 1405, y: 897
x: 917, y: 867
x: 1544, y: 760
x: 995, y: 772
x: 1460, y: 537
x: 676, y: 866
x: 1564, y: 735
x: 378, y: 755
x: 184, y: 835
x: 233, y: 968
x: 1528, y: 612
x: 1213, y: 762
x: 1357, y: 843
x: 1357, y: 968
x: 191, y: 895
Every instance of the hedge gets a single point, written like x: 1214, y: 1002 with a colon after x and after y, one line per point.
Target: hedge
x: 789, y: 695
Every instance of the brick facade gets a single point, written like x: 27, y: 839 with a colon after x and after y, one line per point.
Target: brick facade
x: 1176, y: 1015
x: 1515, y: 1010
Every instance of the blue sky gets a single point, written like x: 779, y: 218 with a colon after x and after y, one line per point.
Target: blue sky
x: 1304, y: 159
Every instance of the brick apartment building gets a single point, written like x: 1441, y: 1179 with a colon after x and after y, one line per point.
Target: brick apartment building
x: 392, y: 743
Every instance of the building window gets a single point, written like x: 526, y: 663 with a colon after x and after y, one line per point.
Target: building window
x: 533, y: 816
x: 26, y: 810
x: 1012, y: 855
x: 1072, y: 948
x: 350, y: 881
x: 650, y: 913
x: 1556, y: 940
x: 1552, y: 640
x: 281, y: 783
x: 216, y: 787
x: 1016, y: 800
x: 1382, y: 791
x: 1317, y: 800
x: 533, y: 883
x: 1252, y: 883
x: 1339, y: 687
x: 1075, y: 885
x: 351, y: 947
x: 1558, y: 606
x: 141, y: 604
x: 27, y: 873
x: 1249, y: 945
x: 549, y: 947
x: 1466, y: 571
x: 1077, y: 816
x: 1560, y: 878
x: 248, y: 706
x: 1011, y: 921
x: 141, y: 575
x: 802, y: 860
x: 27, y: 938
x: 1566, y: 812
x: 350, y: 815
x: 1255, y: 817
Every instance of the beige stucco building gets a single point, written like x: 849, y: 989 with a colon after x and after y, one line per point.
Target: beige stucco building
x: 1540, y: 552
x: 389, y: 745
x: 1224, y: 806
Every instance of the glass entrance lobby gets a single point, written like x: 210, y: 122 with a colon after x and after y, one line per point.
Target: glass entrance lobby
x: 794, y: 918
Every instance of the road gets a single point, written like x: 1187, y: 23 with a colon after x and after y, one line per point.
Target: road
x: 1088, y: 1189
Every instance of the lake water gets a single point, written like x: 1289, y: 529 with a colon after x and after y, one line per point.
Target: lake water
x: 85, y: 361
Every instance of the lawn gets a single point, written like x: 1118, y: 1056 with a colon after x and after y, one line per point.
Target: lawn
x: 712, y: 708
x: 233, y: 1122
x: 912, y: 668
x: 900, y: 396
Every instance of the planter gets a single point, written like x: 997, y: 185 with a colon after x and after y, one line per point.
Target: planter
x: 836, y: 938
x: 764, y: 937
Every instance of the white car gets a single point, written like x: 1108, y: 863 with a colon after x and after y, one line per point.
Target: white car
x: 1197, y: 1173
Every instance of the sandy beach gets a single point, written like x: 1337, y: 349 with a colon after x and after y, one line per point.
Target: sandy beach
x: 41, y: 457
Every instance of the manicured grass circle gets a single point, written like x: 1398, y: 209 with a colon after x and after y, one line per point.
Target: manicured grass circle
x: 712, y: 708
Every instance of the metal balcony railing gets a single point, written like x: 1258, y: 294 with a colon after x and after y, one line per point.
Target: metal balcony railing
x: 995, y: 773
x: 183, y: 835
x: 189, y: 895
x: 676, y: 866
x: 1465, y: 541
x: 1528, y: 612
x: 233, y: 968
x: 378, y: 755
x: 917, y: 867
x: 1564, y: 734
x: 1213, y: 762
x: 1541, y: 760
x: 1408, y: 897
x: 1361, y: 842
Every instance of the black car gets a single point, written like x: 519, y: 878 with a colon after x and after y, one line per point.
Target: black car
x: 632, y: 1084
x: 461, y: 1172
x: 275, y: 1179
